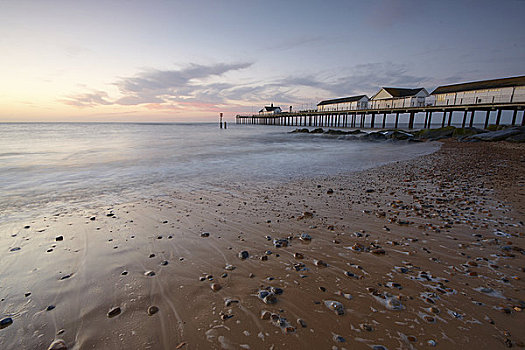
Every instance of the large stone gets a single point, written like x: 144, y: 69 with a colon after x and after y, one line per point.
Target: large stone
x: 435, y: 134
x: 497, y: 135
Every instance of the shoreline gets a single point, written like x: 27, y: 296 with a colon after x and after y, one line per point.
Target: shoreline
x: 417, y: 252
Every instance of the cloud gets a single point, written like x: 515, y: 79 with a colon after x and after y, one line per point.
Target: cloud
x: 91, y: 99
x: 168, y: 87
x: 196, y: 87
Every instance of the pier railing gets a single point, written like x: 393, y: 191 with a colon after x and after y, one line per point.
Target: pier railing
x: 372, y: 118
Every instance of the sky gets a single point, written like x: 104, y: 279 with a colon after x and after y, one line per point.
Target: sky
x: 147, y: 60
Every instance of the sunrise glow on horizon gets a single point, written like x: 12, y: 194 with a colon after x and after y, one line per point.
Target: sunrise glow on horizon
x: 182, y: 61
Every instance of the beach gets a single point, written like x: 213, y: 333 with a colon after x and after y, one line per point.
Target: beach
x: 412, y: 254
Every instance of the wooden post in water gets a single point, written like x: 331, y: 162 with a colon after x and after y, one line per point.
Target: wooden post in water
x: 514, y: 114
x: 397, y: 120
x: 464, y: 119
x: 220, y: 123
x: 426, y: 120
x: 487, y: 118
x: 430, y: 119
x: 472, y: 118
x: 449, y: 118
x: 523, y: 118
x: 411, y: 120
x: 384, y: 120
x: 444, y: 117
x: 498, y: 117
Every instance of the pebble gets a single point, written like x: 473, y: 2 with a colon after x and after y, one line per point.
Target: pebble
x: 152, y: 310
x: 114, y: 312
x: 6, y: 322
x: 215, y: 287
x: 57, y: 344
x: 229, y: 267
x: 366, y: 327
x: 265, y: 315
x: 298, y: 256
x: 124, y: 273
x: 14, y: 249
x: 244, y: 255
x: 149, y: 273
x: 320, y: 263
x: 301, y: 322
x: 339, y: 339
x: 305, y: 237
x: 59, y: 238
x: 267, y: 297
x: 164, y: 262
x: 205, y: 234
x: 335, y: 306
x: 50, y: 307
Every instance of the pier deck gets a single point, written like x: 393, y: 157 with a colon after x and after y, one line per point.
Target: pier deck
x: 369, y: 118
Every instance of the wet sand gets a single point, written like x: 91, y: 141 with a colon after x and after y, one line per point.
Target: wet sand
x: 414, y: 254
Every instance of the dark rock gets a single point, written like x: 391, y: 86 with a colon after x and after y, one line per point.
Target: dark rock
x: 516, y: 138
x: 152, y: 310
x: 497, y: 135
x: 374, y: 136
x: 5, y: 322
x: 244, y: 255
x: 114, y: 312
x: 303, y: 130
x: 50, y: 307
x: 335, y: 132
x: 435, y: 134
x: 59, y: 238
x: 317, y: 131
x: 398, y: 135
x: 205, y: 234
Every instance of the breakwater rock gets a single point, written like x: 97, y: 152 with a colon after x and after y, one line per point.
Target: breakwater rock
x: 501, y: 133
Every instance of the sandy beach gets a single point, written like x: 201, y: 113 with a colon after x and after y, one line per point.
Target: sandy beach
x: 413, y: 254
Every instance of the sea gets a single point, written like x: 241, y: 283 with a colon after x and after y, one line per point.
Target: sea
x: 50, y: 167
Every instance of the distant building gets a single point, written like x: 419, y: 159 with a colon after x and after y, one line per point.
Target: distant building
x: 270, y: 110
x: 506, y: 90
x: 344, y: 104
x: 398, y: 98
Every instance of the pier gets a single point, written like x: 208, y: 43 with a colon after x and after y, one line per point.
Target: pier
x: 428, y: 116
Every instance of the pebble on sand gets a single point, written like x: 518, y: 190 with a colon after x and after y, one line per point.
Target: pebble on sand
x: 149, y: 273
x: 244, y: 255
x: 6, y: 322
x: 335, y: 306
x: 114, y: 312
x: 215, y: 287
x: 57, y: 344
x: 152, y: 310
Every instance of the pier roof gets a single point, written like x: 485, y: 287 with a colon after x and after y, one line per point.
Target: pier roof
x: 481, y: 85
x: 342, y: 100
x: 402, y: 92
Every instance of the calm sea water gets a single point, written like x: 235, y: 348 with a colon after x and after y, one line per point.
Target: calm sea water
x: 45, y: 167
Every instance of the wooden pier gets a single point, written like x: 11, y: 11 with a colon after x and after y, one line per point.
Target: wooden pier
x: 437, y: 116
